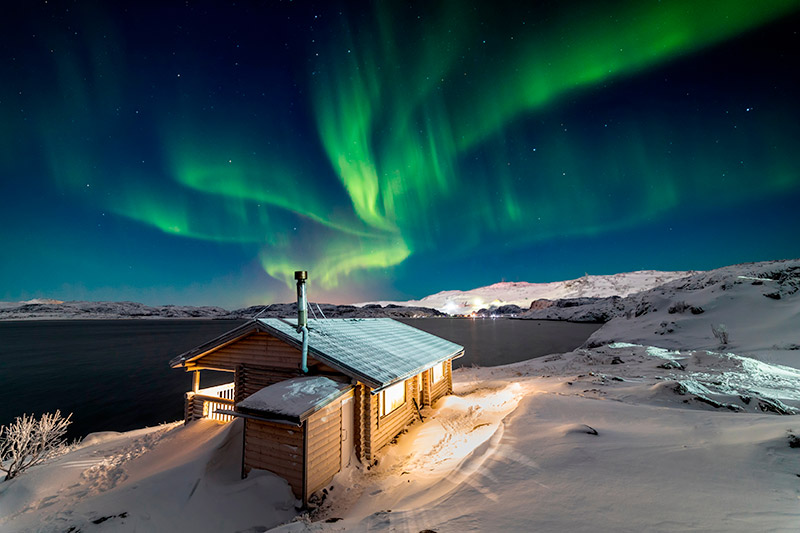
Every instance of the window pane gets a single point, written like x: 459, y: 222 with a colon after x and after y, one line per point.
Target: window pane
x: 392, y: 398
x: 438, y: 372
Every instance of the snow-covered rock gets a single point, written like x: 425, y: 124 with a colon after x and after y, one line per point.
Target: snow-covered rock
x: 757, y: 304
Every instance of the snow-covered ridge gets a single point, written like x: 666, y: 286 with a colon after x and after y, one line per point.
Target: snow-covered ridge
x: 56, y: 309
x: 523, y: 294
x: 757, y: 305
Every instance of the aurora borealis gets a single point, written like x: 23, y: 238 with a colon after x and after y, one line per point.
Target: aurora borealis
x: 197, y: 153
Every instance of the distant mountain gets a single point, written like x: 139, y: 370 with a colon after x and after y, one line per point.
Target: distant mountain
x: 56, y: 309
x: 523, y: 294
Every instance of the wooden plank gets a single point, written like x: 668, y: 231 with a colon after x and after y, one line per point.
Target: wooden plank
x: 323, y: 467
x: 330, y: 446
x: 320, y: 433
x: 267, y: 462
x: 274, y: 445
x: 268, y: 428
x: 319, y: 459
x: 283, y: 437
x: 215, y: 399
x: 270, y: 461
x: 277, y: 449
x: 279, y: 455
x: 305, y: 491
x: 279, y: 438
x: 326, y: 418
x: 274, y: 427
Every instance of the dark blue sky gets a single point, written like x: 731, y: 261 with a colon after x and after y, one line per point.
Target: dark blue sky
x: 198, y: 153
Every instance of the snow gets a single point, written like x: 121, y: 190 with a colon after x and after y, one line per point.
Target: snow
x: 168, y: 478
x: 639, y: 430
x: 522, y: 293
x: 513, y: 449
x: 762, y: 318
x: 294, y: 397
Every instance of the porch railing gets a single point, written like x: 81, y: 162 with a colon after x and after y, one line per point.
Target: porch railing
x: 204, y: 403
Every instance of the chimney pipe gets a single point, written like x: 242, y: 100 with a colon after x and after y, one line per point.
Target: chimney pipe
x: 302, y: 302
x: 302, y: 315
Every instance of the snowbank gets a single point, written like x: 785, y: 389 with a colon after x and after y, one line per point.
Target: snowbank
x: 169, y: 478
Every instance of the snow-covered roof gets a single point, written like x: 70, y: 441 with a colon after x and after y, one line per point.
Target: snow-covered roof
x: 294, y: 398
x: 377, y: 351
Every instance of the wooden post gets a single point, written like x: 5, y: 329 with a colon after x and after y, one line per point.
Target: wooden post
x: 305, y: 464
x: 188, y: 407
x: 196, y: 381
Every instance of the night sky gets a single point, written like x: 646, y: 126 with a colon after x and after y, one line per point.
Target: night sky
x: 199, y: 153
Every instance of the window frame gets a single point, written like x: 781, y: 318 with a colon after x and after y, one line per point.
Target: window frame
x: 441, y: 365
x: 382, y: 412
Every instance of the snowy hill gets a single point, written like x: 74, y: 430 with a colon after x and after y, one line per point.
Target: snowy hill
x: 56, y: 309
x: 757, y: 304
x: 522, y: 293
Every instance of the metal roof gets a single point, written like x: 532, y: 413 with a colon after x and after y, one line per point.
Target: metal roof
x: 377, y: 351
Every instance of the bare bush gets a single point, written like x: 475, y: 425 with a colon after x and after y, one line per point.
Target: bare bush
x: 721, y: 333
x: 28, y: 441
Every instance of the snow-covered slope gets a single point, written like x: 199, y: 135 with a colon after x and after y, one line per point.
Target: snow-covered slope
x: 169, y: 478
x: 523, y: 293
x: 757, y: 304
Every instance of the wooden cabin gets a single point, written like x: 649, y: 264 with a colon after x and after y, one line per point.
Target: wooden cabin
x: 366, y: 380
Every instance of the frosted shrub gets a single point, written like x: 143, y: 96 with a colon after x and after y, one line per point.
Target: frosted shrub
x: 721, y: 333
x: 28, y: 441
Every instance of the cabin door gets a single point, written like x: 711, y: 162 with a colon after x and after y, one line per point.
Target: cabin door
x: 347, y: 431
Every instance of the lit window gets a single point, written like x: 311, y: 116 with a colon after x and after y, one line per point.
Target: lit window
x: 392, y: 398
x: 438, y: 372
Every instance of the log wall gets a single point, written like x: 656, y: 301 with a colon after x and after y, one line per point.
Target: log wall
x: 251, y: 378
x: 256, y: 348
x: 444, y: 386
x: 380, y: 430
x: 324, y: 447
x: 277, y: 448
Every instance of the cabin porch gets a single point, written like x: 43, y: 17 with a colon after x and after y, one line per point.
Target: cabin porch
x: 203, y: 403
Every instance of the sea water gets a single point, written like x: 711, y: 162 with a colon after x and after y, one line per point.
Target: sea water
x: 114, y: 375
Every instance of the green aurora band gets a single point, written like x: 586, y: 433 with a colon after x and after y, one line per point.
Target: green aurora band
x: 399, y: 122
x: 436, y: 139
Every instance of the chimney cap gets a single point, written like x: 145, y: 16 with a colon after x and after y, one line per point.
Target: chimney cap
x: 300, y: 275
